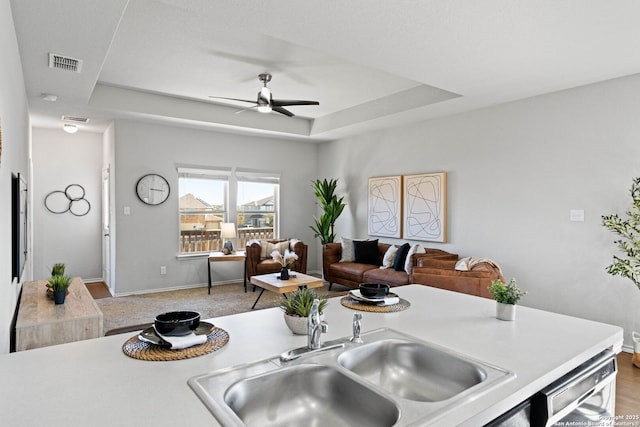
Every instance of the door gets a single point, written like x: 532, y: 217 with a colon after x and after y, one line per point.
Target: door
x: 106, y: 230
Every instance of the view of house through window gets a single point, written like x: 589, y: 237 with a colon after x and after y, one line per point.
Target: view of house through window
x: 208, y: 198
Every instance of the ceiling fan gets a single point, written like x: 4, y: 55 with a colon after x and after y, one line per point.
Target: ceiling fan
x: 265, y: 102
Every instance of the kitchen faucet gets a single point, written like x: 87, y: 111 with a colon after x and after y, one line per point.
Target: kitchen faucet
x: 316, y: 327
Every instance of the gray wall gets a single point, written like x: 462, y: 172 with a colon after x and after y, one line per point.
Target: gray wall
x: 61, y: 159
x: 514, y: 173
x: 148, y: 237
x: 14, y: 159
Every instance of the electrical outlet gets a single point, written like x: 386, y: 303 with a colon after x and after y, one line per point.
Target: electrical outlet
x: 163, y: 269
x: 127, y: 210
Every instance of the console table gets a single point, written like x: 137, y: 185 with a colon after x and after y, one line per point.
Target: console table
x: 42, y: 323
x: 220, y: 257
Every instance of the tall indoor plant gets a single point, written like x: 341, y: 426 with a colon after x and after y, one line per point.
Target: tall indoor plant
x: 332, y: 207
x: 629, y: 243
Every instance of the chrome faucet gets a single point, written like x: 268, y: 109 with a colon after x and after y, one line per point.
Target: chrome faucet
x: 316, y: 327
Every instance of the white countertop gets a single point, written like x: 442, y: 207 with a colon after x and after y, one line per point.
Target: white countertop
x: 94, y: 383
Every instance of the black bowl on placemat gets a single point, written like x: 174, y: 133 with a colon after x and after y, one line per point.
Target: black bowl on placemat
x: 374, y: 290
x: 177, y: 323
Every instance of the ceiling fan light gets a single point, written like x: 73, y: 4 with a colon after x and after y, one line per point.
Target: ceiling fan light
x: 264, y: 108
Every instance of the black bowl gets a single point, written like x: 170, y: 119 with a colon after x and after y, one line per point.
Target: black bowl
x: 177, y: 322
x: 374, y: 290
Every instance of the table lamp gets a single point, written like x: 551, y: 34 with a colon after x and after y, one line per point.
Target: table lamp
x: 228, y: 231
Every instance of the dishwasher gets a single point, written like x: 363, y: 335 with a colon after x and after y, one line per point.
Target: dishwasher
x: 584, y: 396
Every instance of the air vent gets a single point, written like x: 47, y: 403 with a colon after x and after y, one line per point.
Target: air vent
x: 75, y: 119
x: 65, y: 63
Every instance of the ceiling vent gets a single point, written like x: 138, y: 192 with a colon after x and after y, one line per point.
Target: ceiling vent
x: 75, y: 119
x: 65, y: 63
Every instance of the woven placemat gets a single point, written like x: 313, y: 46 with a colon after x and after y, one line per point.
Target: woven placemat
x: 138, y: 349
x: 349, y: 302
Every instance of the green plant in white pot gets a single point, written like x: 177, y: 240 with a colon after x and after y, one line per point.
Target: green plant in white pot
x: 297, y: 306
x: 506, y: 296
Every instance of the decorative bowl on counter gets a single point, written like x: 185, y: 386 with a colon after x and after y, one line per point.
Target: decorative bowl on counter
x: 374, y: 290
x: 176, y: 323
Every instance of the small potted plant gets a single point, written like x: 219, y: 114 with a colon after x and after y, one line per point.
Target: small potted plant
x: 506, y: 296
x: 297, y: 306
x: 285, y: 261
x: 59, y: 285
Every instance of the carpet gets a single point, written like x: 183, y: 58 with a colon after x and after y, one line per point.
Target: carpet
x: 120, y: 312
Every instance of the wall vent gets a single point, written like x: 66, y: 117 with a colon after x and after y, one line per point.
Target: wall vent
x: 65, y: 63
x: 75, y: 119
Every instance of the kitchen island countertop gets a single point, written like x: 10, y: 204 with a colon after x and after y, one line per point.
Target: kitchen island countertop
x: 94, y: 383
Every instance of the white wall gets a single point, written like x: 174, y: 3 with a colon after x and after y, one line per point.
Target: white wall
x: 514, y: 173
x: 148, y: 237
x: 61, y: 159
x: 14, y: 159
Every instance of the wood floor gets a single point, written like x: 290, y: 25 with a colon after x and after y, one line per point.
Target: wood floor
x: 627, y: 388
x: 98, y: 290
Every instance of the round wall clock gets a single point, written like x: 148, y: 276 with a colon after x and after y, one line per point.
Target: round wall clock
x: 152, y: 189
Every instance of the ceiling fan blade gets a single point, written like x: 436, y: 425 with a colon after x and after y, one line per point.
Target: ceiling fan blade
x: 246, y: 109
x: 282, y: 110
x: 285, y: 102
x: 233, y: 99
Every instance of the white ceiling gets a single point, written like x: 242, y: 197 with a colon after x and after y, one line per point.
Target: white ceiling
x: 370, y: 63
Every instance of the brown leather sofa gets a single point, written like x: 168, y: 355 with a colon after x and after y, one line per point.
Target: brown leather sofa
x: 256, y: 264
x: 442, y: 274
x: 351, y: 274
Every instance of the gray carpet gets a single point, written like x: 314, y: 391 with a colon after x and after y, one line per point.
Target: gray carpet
x: 121, y: 312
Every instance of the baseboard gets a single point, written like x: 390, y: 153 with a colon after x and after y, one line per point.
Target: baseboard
x: 176, y: 288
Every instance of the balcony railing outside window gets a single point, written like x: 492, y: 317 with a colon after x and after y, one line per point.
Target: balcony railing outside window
x: 193, y: 241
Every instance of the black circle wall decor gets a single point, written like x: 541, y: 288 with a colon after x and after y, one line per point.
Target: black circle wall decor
x: 70, y: 200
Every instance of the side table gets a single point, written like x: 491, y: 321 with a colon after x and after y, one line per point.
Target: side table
x: 220, y: 257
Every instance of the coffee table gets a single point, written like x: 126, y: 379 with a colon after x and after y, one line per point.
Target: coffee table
x: 271, y: 282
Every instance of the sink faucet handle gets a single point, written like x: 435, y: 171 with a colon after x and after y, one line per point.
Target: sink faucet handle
x: 357, y: 327
x: 324, y: 327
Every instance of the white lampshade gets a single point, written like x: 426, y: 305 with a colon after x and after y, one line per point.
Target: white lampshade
x: 228, y: 230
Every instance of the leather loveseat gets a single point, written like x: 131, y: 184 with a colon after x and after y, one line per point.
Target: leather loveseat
x: 351, y: 274
x: 442, y: 274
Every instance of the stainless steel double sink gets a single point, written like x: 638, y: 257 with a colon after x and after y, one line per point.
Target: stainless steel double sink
x: 392, y: 379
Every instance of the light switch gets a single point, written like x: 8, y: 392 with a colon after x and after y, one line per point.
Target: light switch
x: 577, y: 215
x: 127, y: 210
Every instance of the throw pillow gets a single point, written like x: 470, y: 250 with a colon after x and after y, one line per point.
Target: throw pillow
x: 401, y: 256
x: 281, y: 247
x: 348, y: 254
x: 366, y: 252
x: 293, y: 243
x: 265, y: 249
x: 415, y: 249
x: 389, y: 257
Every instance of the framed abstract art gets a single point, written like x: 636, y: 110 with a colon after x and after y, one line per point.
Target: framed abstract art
x: 384, y: 206
x: 425, y: 207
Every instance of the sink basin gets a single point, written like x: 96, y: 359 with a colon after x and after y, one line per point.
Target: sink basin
x: 392, y: 379
x: 283, y: 397
x: 412, y: 370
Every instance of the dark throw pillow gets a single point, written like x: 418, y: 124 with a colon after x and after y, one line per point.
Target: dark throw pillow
x: 367, y: 252
x: 401, y: 257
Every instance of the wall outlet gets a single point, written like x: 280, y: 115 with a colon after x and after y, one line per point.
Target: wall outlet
x: 127, y: 210
x: 576, y: 215
x: 163, y: 269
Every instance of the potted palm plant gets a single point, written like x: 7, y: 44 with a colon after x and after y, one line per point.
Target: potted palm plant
x: 332, y: 207
x: 506, y: 296
x: 297, y: 306
x: 59, y: 285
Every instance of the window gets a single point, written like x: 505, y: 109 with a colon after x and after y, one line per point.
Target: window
x: 209, y: 197
x: 257, y: 197
x: 203, y: 206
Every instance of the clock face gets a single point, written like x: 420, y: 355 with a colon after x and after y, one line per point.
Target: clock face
x: 152, y: 189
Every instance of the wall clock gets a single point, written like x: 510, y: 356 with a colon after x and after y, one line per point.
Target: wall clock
x: 152, y: 189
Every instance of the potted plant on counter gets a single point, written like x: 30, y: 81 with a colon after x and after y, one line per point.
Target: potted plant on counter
x: 59, y: 285
x: 297, y: 306
x: 506, y: 296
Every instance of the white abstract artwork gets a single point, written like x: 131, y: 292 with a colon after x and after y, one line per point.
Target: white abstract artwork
x: 425, y: 207
x: 384, y: 206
